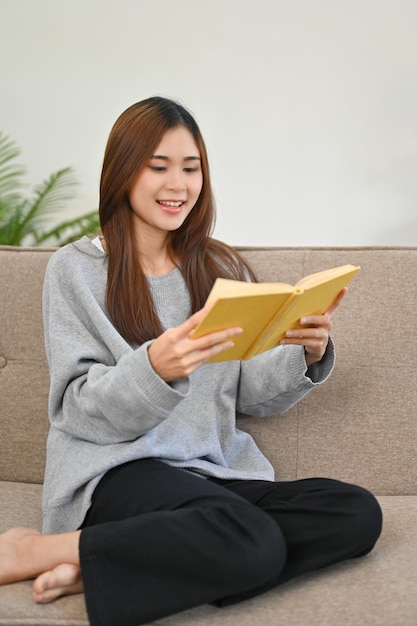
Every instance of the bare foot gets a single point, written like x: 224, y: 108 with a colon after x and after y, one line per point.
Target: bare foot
x: 14, y: 562
x: 63, y: 580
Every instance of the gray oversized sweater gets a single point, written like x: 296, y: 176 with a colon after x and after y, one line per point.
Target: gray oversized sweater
x: 107, y: 405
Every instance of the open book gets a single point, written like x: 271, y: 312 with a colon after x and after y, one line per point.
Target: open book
x: 266, y: 311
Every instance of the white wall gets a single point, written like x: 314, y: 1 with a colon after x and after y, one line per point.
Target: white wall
x: 308, y: 107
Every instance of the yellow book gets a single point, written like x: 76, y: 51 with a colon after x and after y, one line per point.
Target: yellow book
x: 266, y: 311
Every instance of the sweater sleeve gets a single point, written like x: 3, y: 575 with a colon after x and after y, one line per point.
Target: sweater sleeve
x: 101, y: 389
x: 277, y: 379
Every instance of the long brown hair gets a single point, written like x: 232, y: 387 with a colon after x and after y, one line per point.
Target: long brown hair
x: 132, y: 141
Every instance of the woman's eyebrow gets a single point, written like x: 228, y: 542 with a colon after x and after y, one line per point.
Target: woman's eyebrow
x: 165, y: 158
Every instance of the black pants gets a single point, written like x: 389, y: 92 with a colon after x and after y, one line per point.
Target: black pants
x: 158, y: 540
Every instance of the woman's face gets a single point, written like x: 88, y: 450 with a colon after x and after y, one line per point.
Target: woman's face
x: 168, y: 187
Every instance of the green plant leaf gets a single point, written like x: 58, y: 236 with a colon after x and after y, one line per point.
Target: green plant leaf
x: 11, y: 174
x: 67, y: 232
x: 11, y: 214
x: 25, y: 220
x: 49, y: 197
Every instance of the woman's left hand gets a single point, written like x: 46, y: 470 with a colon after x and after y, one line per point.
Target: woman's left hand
x: 315, y: 332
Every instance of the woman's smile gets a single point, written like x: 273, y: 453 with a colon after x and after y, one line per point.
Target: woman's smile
x: 171, y: 206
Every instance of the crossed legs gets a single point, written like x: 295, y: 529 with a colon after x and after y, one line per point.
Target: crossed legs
x: 159, y: 540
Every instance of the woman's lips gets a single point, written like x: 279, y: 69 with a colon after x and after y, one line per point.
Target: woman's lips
x: 171, y: 206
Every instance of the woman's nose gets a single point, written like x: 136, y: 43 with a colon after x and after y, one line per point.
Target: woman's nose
x: 176, y: 180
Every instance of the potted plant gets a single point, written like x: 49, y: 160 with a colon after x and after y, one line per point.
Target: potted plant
x: 24, y: 219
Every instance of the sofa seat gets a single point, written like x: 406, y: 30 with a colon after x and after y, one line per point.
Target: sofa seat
x: 377, y: 589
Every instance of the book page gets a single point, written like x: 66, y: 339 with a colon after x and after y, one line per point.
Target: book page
x: 224, y: 287
x: 326, y: 275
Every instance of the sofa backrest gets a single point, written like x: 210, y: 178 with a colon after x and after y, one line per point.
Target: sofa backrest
x: 24, y: 375
x: 360, y: 426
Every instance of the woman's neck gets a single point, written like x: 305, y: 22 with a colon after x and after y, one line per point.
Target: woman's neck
x: 154, y: 255
x: 155, y: 261
x: 157, y: 265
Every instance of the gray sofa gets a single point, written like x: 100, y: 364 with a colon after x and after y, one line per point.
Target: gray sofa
x: 360, y: 427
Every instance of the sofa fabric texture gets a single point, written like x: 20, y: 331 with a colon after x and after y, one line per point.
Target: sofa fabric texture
x: 360, y: 427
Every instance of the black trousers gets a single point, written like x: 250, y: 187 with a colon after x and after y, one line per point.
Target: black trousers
x: 158, y: 540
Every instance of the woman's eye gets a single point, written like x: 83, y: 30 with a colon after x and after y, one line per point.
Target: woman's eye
x: 162, y: 168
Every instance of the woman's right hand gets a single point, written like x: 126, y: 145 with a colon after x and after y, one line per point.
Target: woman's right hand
x: 175, y: 355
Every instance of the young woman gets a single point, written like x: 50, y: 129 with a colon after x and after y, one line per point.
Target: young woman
x: 154, y: 502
